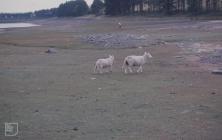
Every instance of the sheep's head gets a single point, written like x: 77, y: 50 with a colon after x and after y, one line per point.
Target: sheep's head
x: 111, y: 57
x: 147, y: 54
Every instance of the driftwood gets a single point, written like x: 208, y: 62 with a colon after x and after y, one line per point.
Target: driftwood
x: 218, y: 71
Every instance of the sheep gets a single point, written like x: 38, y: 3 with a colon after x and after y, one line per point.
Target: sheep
x: 133, y: 61
x: 104, y: 63
x: 120, y: 25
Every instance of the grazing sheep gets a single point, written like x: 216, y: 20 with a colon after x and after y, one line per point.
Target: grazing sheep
x: 104, y: 63
x: 133, y: 61
x: 120, y: 25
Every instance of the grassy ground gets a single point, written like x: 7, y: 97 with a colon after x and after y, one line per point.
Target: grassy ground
x: 57, y: 96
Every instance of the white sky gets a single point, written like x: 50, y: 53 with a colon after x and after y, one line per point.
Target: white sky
x: 12, y: 6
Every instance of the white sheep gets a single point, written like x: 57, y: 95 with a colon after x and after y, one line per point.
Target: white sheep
x: 120, y: 25
x: 104, y: 63
x: 135, y: 61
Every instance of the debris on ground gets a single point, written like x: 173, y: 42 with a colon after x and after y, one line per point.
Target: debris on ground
x: 51, y: 50
x: 218, y: 71
x: 185, y: 111
x: 93, y: 78
x: 178, y: 56
x: 120, y: 40
x: 75, y: 129
x: 213, y: 58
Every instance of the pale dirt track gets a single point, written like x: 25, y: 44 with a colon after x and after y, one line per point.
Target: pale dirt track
x: 56, y: 96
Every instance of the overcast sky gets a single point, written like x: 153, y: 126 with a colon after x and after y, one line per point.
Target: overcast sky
x: 12, y: 6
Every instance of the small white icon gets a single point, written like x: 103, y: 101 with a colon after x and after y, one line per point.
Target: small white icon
x: 11, y: 129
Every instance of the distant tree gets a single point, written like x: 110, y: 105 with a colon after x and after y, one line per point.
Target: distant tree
x: 194, y: 6
x: 119, y: 7
x: 169, y: 6
x: 216, y: 4
x: 73, y: 8
x: 111, y: 7
x: 97, y: 6
x: 46, y: 13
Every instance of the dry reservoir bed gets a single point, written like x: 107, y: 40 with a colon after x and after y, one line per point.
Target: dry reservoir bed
x: 57, y: 96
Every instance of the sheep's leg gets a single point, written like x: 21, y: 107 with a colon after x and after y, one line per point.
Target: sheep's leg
x: 95, y: 69
x: 111, y: 68
x: 125, y: 69
x: 130, y: 69
x: 140, y: 69
x: 100, y: 69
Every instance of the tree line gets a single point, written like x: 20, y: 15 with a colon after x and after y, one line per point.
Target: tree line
x: 71, y: 8
x: 75, y: 8
x: 124, y: 7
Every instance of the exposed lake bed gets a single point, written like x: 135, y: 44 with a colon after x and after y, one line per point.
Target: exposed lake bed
x: 57, y: 95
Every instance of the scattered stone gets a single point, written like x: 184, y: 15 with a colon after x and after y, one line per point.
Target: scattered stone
x: 218, y: 71
x: 22, y: 91
x: 190, y: 85
x: 178, y: 56
x: 212, y: 57
x: 38, y: 88
x: 36, y: 110
x: 199, y: 112
x: 93, y: 78
x: 120, y: 40
x: 51, y: 50
x: 75, y: 129
x: 185, y: 111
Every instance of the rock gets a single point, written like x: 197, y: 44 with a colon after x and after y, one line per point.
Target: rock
x: 117, y: 40
x: 51, y: 50
x: 218, y: 71
x: 75, y: 129
x: 93, y: 78
x: 21, y: 91
x: 213, y: 93
x: 178, y: 56
x: 185, y: 111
